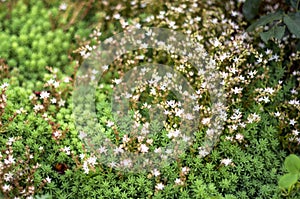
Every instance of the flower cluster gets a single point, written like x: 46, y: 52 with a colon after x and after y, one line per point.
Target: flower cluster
x: 17, y: 173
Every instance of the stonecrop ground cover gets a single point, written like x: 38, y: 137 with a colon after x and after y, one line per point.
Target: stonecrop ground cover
x: 149, y: 99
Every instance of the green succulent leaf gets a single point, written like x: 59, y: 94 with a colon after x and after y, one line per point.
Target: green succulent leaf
x: 265, y: 20
x: 292, y: 21
x: 251, y: 8
x: 287, y: 180
x: 292, y: 164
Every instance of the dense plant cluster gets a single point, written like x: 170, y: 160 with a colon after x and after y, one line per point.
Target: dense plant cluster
x: 43, y: 150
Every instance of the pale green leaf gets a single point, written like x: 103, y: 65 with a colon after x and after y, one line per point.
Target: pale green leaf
x: 287, y: 180
x: 292, y: 164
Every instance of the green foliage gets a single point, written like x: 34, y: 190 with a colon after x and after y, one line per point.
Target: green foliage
x: 275, y: 32
x: 294, y: 3
x: 264, y: 20
x: 290, y: 20
x: 290, y: 180
x: 245, y: 162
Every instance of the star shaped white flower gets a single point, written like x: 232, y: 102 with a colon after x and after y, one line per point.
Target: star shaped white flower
x: 61, y: 102
x: 156, y: 172
x: 159, y: 186
x: 6, y: 187
x: 4, y: 85
x: 226, y: 161
x: 144, y: 148
x: 277, y: 114
x: 44, y: 95
x: 293, y: 122
x: 48, y: 179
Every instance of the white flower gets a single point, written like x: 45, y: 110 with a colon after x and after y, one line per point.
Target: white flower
x: 205, y: 121
x: 67, y: 150
x: 63, y: 6
x: 252, y: 73
x: 295, y: 132
x: 156, y: 172
x: 268, y: 51
x: 179, y: 112
x: 11, y: 140
x: 196, y: 108
x: 8, y: 177
x: 185, y: 170
x: 67, y: 80
x: 144, y: 148
x: 53, y: 101
x: 159, y: 186
x: 265, y: 99
x: 203, y: 152
x: 173, y: 133
x: 117, y: 81
x: 44, y: 95
x: 61, y: 103
x: 56, y: 84
x: 38, y: 107
x: 274, y: 57
x: 293, y: 91
x: 86, y: 169
x: 239, y: 137
x: 50, y: 82
x: 277, y: 114
x: 21, y: 110
x: 166, y: 112
x: 57, y: 134
x: 178, y: 181
x: 9, y: 160
x: 126, y: 163
x: 102, y: 149
x: 105, y: 67
x: 4, y: 85
x: 269, y: 90
x: 293, y: 122
x: 48, y: 179
x: 6, y: 188
x: 294, y: 102
x: 226, y: 161
x: 157, y: 150
x: 118, y: 150
x: 110, y: 124
x: 113, y: 164
x: 82, y: 135
x: 82, y: 156
x: 92, y: 160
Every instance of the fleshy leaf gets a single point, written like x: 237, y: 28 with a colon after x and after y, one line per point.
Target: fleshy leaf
x: 287, y: 180
x: 292, y: 164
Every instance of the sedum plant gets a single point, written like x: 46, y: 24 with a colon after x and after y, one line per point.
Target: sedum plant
x: 43, y: 44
